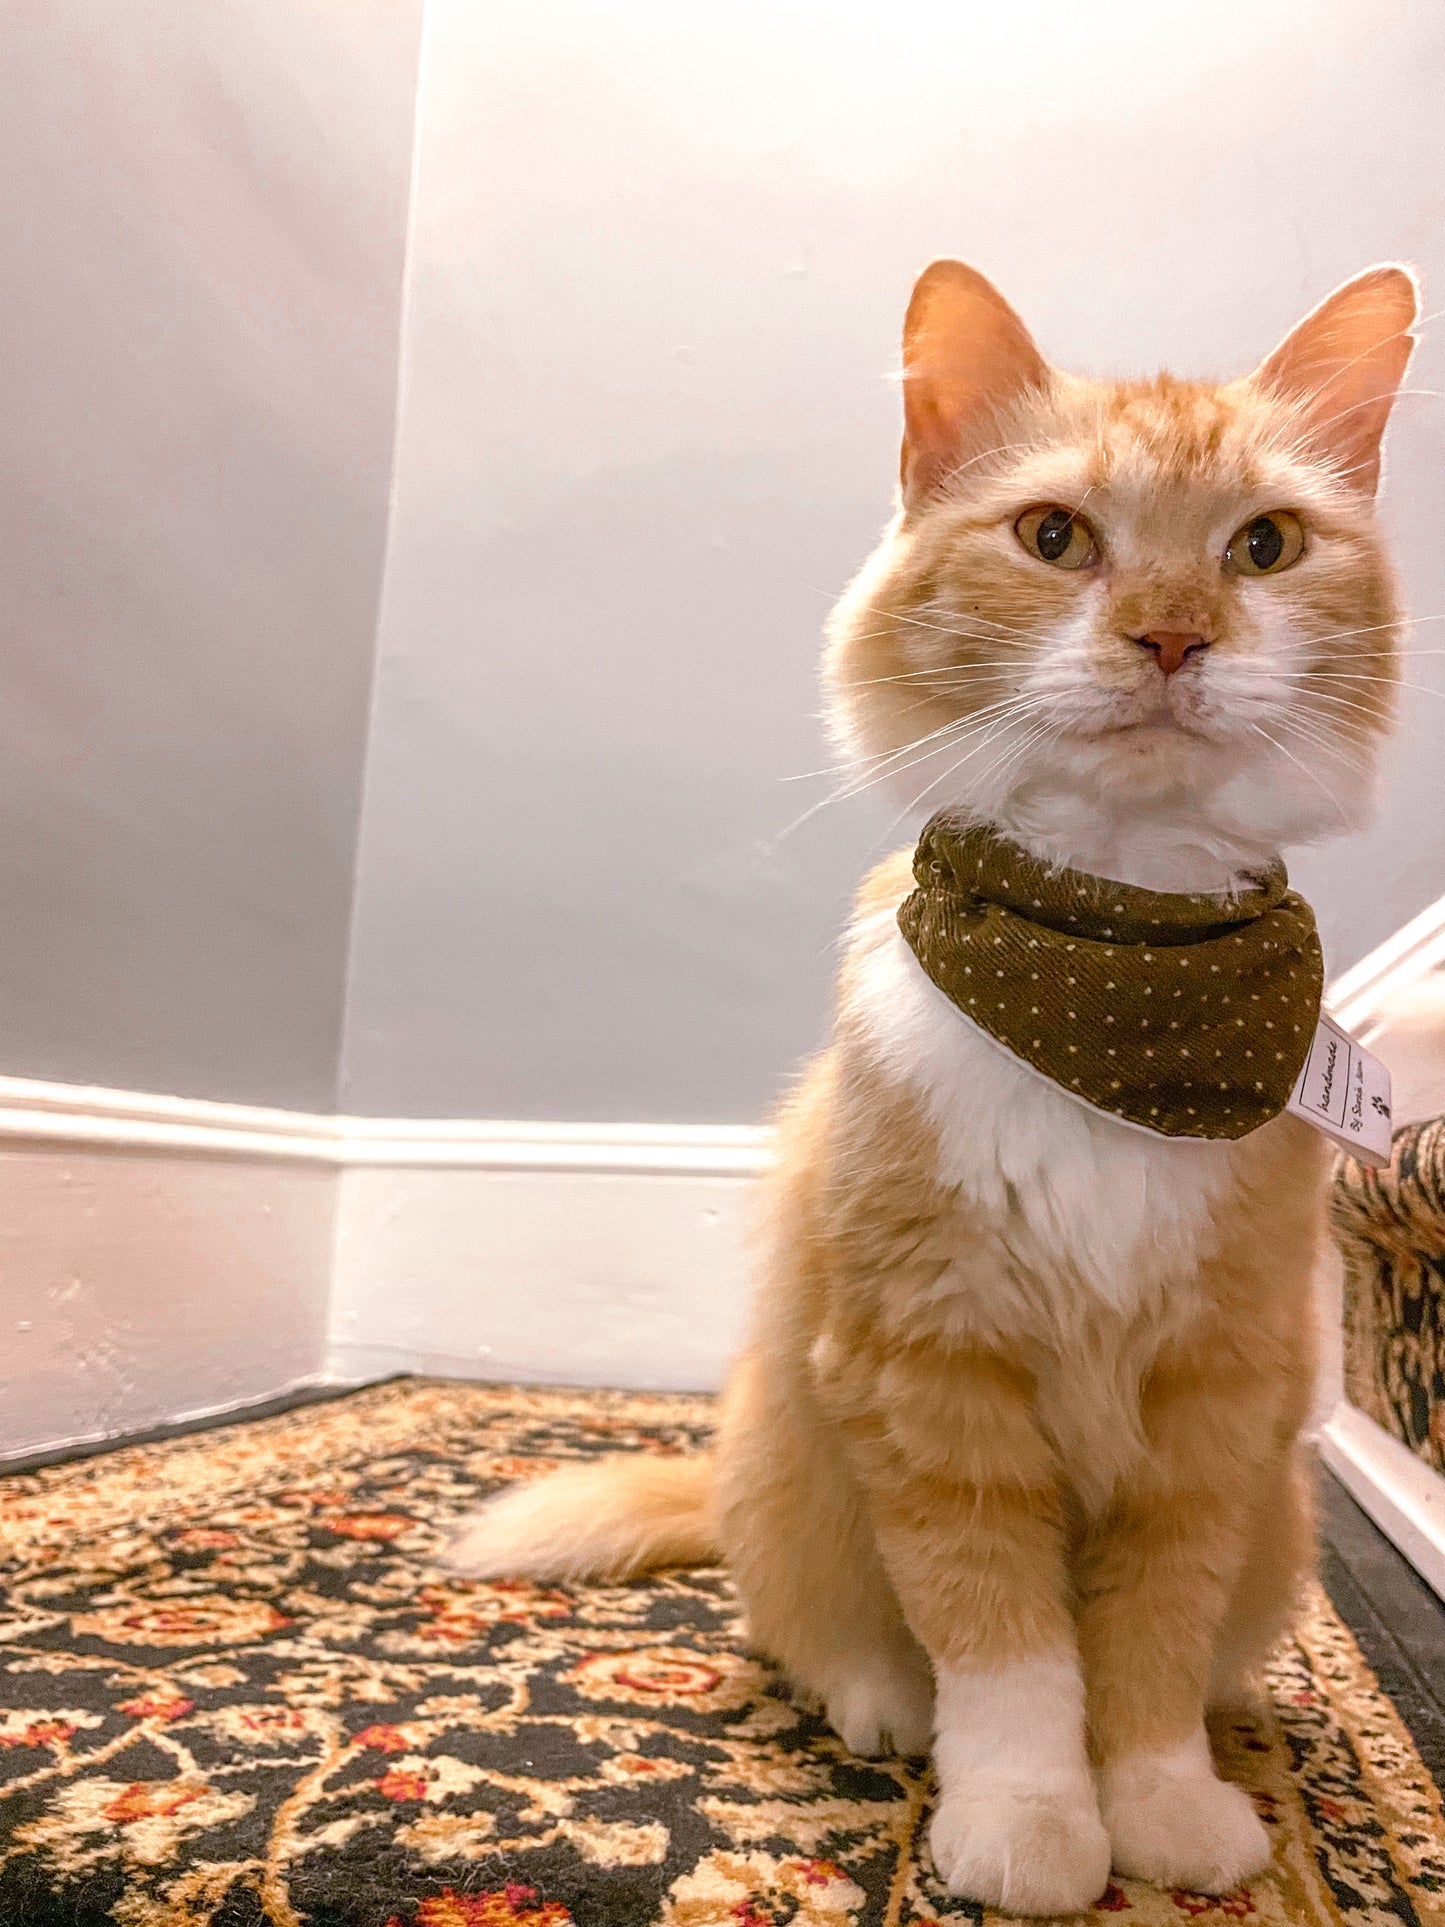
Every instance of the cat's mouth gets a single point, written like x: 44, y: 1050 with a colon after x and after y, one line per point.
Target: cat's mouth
x: 1161, y: 728
x: 1165, y: 727
x: 1147, y: 718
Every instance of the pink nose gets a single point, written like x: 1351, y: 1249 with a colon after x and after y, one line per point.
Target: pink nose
x: 1172, y: 648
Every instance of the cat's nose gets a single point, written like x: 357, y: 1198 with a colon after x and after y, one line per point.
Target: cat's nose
x: 1172, y: 648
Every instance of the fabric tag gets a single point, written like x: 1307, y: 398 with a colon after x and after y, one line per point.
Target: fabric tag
x: 1344, y: 1091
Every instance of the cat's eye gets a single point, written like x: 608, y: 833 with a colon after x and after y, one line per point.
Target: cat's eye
x: 1266, y: 545
x: 1057, y: 536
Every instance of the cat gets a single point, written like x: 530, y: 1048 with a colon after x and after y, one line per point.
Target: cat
x: 1011, y: 1465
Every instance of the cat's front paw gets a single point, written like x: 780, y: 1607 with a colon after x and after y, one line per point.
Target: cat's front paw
x: 1022, y: 1852
x: 1171, y: 1819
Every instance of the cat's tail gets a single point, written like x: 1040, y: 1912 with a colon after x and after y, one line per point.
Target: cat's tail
x: 608, y: 1520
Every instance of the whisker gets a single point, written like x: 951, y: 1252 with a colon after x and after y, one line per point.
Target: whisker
x: 1312, y: 774
x: 1004, y: 448
x: 1005, y: 629
x: 966, y: 669
x: 1336, y: 735
x: 944, y: 777
x: 906, y: 758
x: 1373, y: 628
x: 1370, y: 401
x: 1390, y: 682
x: 1326, y: 734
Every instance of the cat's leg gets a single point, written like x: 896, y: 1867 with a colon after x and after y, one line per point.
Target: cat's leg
x: 1156, y: 1578
x: 964, y: 1496
x: 799, y: 1546
x: 1279, y: 1558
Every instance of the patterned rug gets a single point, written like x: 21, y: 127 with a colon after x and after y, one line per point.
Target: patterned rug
x: 235, y: 1689
x: 1390, y: 1226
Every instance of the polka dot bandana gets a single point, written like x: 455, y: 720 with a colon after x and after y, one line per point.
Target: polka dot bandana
x: 1189, y: 1015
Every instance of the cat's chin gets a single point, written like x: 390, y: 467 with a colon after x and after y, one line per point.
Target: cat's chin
x: 1152, y: 734
x: 1148, y: 758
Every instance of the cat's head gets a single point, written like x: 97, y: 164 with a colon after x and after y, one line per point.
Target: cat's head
x: 1149, y: 610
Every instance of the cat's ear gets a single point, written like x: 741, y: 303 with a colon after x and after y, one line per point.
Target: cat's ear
x: 1342, y: 367
x: 965, y: 354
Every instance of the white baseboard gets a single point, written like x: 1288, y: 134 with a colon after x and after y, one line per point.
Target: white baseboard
x: 561, y: 1254
x: 573, y: 1277
x: 549, y: 1253
x: 165, y: 1258
x: 1404, y: 1497
x: 142, y: 1284
x: 1359, y: 996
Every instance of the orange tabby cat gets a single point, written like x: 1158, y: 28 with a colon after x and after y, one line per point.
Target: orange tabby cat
x: 1011, y: 1463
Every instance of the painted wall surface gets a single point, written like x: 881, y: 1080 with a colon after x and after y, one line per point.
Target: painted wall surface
x: 660, y: 258
x: 144, y: 1288
x: 202, y: 225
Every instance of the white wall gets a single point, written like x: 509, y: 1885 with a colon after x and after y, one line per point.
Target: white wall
x: 646, y: 433
x: 202, y: 227
x: 660, y: 257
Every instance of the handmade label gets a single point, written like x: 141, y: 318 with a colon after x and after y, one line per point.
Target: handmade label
x: 1344, y: 1091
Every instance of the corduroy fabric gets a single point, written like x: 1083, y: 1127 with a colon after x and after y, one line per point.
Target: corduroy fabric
x: 1190, y: 1015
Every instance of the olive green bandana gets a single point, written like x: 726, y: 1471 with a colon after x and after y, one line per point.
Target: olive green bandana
x: 1191, y: 1016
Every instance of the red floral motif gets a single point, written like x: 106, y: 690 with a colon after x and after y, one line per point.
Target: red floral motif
x: 462, y: 1614
x: 367, y: 1525
x: 205, y: 1539
x: 39, y: 1733
x: 818, y: 1873
x: 322, y: 1495
x: 157, y: 1706
x: 661, y: 1674
x: 1112, y: 1901
x: 383, y: 1739
x: 514, y: 1468
x: 509, y: 1906
x: 203, y: 1622
x: 145, y: 1799
x: 397, y: 1785
x: 1235, y: 1906
x: 271, y: 1719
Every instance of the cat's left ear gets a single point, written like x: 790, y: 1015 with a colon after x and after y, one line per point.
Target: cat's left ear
x: 1342, y: 367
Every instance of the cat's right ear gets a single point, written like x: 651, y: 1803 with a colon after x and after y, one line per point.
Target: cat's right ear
x: 965, y: 355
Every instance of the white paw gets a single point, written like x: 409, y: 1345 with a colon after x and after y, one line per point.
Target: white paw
x: 1023, y: 1852
x: 1181, y: 1828
x: 886, y: 1706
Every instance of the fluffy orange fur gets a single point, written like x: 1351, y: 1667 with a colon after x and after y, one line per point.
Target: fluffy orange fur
x: 1012, y: 1459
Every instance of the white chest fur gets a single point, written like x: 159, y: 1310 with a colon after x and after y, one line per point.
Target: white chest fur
x: 1075, y: 1204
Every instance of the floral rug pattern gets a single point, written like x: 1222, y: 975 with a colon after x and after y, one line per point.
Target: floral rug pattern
x: 235, y: 1689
